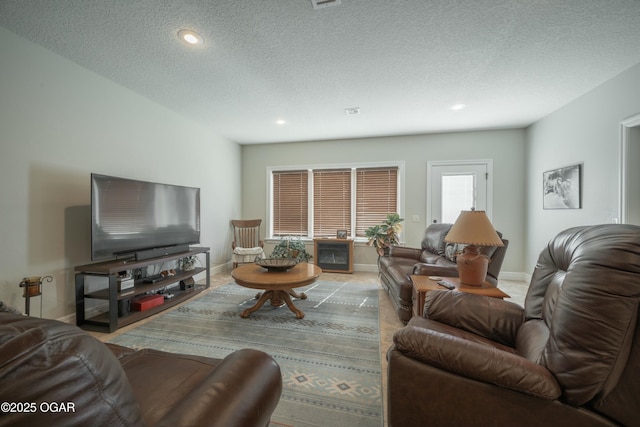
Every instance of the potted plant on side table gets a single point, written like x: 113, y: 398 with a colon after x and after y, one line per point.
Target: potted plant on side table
x: 383, y: 236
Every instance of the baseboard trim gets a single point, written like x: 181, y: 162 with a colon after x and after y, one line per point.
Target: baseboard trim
x: 227, y: 266
x: 69, y: 318
x: 511, y: 275
x: 370, y: 268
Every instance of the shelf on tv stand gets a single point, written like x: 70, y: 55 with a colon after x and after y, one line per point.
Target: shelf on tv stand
x: 110, y: 321
x: 98, y: 322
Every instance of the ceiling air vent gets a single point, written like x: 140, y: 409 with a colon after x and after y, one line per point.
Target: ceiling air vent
x: 320, y: 4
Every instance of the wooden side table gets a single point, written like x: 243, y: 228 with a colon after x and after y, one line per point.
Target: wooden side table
x: 422, y: 285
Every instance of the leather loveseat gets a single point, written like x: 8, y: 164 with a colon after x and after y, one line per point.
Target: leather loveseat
x: 435, y: 257
x: 571, y: 357
x: 54, y: 374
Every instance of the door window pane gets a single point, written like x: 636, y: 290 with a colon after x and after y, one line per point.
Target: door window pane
x: 458, y: 193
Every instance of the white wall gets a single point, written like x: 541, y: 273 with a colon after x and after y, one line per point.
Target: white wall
x: 505, y: 147
x: 585, y: 131
x: 58, y: 123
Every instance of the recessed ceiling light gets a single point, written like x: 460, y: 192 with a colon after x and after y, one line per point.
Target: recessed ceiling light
x: 280, y: 122
x: 457, y: 107
x: 190, y: 37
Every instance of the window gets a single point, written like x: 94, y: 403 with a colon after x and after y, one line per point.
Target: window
x: 331, y: 202
x: 290, y: 208
x: 317, y: 202
x: 376, y: 196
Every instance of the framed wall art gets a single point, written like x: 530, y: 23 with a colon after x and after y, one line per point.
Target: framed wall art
x: 562, y: 188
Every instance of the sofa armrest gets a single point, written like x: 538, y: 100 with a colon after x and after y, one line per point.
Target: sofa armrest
x: 119, y: 351
x: 477, y: 361
x: 424, y: 269
x: 490, y: 318
x: 242, y: 391
x: 404, y: 252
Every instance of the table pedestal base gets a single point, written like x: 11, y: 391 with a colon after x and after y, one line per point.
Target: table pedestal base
x: 277, y: 298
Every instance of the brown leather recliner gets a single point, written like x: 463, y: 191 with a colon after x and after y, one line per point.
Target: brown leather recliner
x: 571, y: 357
x: 435, y: 257
x: 54, y: 374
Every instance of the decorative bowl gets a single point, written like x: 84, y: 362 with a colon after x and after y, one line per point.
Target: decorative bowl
x: 277, y: 264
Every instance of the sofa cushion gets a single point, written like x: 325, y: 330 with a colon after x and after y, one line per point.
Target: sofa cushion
x: 451, y: 251
x: 429, y: 258
x: 433, y: 238
x: 64, y: 365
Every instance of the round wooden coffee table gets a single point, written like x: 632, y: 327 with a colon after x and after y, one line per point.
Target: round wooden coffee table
x: 277, y: 285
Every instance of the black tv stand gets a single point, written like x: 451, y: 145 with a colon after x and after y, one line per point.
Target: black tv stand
x: 109, y: 320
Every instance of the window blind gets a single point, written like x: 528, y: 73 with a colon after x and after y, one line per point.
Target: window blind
x: 290, y: 203
x: 376, y: 196
x: 331, y: 202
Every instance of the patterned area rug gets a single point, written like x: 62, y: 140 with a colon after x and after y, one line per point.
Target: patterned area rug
x: 330, y: 360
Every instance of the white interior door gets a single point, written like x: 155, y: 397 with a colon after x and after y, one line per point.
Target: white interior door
x: 633, y: 182
x: 456, y: 186
x: 630, y: 174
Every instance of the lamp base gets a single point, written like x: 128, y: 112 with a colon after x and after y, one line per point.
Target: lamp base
x: 472, y: 266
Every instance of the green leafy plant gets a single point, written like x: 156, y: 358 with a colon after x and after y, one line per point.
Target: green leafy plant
x: 291, y: 247
x: 382, y: 236
x: 188, y: 262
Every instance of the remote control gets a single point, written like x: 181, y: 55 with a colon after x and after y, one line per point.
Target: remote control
x: 446, y: 285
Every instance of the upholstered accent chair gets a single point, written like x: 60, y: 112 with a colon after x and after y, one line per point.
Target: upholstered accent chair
x: 44, y: 362
x: 570, y: 357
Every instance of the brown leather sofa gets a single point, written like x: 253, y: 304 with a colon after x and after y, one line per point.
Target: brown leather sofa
x: 54, y: 374
x: 435, y: 257
x: 571, y: 357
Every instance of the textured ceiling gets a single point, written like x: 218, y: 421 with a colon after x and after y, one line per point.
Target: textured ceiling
x: 402, y: 62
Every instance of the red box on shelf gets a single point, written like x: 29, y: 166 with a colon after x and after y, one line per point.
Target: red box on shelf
x: 146, y: 302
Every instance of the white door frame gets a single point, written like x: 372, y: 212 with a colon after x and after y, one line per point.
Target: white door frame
x: 625, y: 138
x: 489, y: 165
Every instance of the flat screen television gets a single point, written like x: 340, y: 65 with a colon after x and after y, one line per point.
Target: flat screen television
x: 130, y: 217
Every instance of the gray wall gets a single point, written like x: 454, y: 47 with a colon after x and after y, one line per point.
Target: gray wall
x: 585, y: 131
x: 505, y: 147
x: 58, y: 123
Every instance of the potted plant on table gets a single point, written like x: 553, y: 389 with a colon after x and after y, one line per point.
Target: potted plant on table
x: 290, y: 247
x: 188, y: 263
x: 383, y: 236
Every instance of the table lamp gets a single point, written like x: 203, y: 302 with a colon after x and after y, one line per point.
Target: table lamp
x: 473, y: 229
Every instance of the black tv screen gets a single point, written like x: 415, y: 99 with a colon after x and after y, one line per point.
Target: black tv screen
x: 128, y: 216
